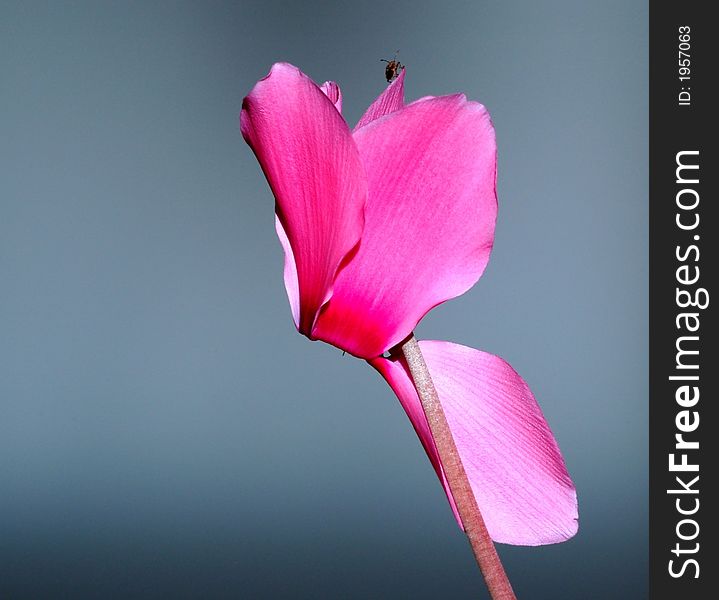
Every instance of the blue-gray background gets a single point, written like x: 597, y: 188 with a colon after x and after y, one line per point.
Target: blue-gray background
x: 164, y: 431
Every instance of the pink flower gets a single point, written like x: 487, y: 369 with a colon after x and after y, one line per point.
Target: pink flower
x: 381, y: 224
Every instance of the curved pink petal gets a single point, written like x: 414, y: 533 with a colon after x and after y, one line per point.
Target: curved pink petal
x: 429, y: 222
x: 512, y: 460
x: 312, y: 165
x: 333, y: 92
x: 390, y: 100
x: 290, y: 273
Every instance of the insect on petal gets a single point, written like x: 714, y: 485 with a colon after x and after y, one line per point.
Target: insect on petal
x: 387, y: 102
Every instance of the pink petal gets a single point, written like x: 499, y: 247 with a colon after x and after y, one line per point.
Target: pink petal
x: 333, y: 92
x: 511, y: 458
x: 290, y: 273
x: 429, y: 228
x: 390, y: 100
x: 312, y: 165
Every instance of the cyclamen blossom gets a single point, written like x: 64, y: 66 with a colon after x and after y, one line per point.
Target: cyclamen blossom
x: 381, y: 224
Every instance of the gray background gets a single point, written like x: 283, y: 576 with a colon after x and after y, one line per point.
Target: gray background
x: 164, y: 431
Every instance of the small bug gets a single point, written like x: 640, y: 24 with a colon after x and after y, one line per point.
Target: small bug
x: 393, y: 68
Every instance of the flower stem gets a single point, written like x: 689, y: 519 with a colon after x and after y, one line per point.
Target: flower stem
x: 482, y: 545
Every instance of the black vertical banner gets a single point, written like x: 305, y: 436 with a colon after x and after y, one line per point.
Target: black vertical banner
x: 683, y: 339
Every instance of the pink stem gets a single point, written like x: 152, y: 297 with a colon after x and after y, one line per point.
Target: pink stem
x: 482, y: 545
